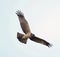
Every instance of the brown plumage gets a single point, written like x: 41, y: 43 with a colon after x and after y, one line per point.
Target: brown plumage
x: 25, y: 27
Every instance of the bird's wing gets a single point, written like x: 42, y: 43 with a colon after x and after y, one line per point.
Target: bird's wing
x: 19, y: 37
x: 23, y: 22
x: 39, y: 40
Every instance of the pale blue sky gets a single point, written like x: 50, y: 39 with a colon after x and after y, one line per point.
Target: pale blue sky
x: 44, y: 20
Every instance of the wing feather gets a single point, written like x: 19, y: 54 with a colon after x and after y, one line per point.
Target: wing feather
x: 39, y: 40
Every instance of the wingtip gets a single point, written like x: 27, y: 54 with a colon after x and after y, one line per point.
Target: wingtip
x: 50, y: 45
x: 19, y: 13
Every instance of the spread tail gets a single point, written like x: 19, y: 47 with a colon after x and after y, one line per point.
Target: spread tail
x: 19, y: 37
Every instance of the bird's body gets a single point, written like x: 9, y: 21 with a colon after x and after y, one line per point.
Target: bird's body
x: 26, y: 29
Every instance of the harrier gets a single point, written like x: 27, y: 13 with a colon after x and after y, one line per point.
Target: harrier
x: 27, y: 32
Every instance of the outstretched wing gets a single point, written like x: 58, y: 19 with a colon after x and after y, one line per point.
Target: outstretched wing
x: 23, y: 22
x: 19, y: 37
x: 39, y: 40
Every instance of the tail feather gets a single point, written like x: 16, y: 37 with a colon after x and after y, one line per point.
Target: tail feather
x: 19, y: 37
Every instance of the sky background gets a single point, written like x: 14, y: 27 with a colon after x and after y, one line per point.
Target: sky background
x: 44, y: 20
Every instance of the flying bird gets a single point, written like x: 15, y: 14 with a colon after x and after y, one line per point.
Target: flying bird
x: 27, y: 32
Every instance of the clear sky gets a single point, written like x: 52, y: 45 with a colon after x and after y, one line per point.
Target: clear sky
x: 44, y: 20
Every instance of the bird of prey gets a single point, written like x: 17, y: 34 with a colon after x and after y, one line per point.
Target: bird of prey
x: 27, y: 32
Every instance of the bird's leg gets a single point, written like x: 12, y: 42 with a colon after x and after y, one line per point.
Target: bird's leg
x: 28, y: 35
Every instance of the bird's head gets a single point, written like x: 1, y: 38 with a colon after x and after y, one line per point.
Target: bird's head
x: 19, y: 13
